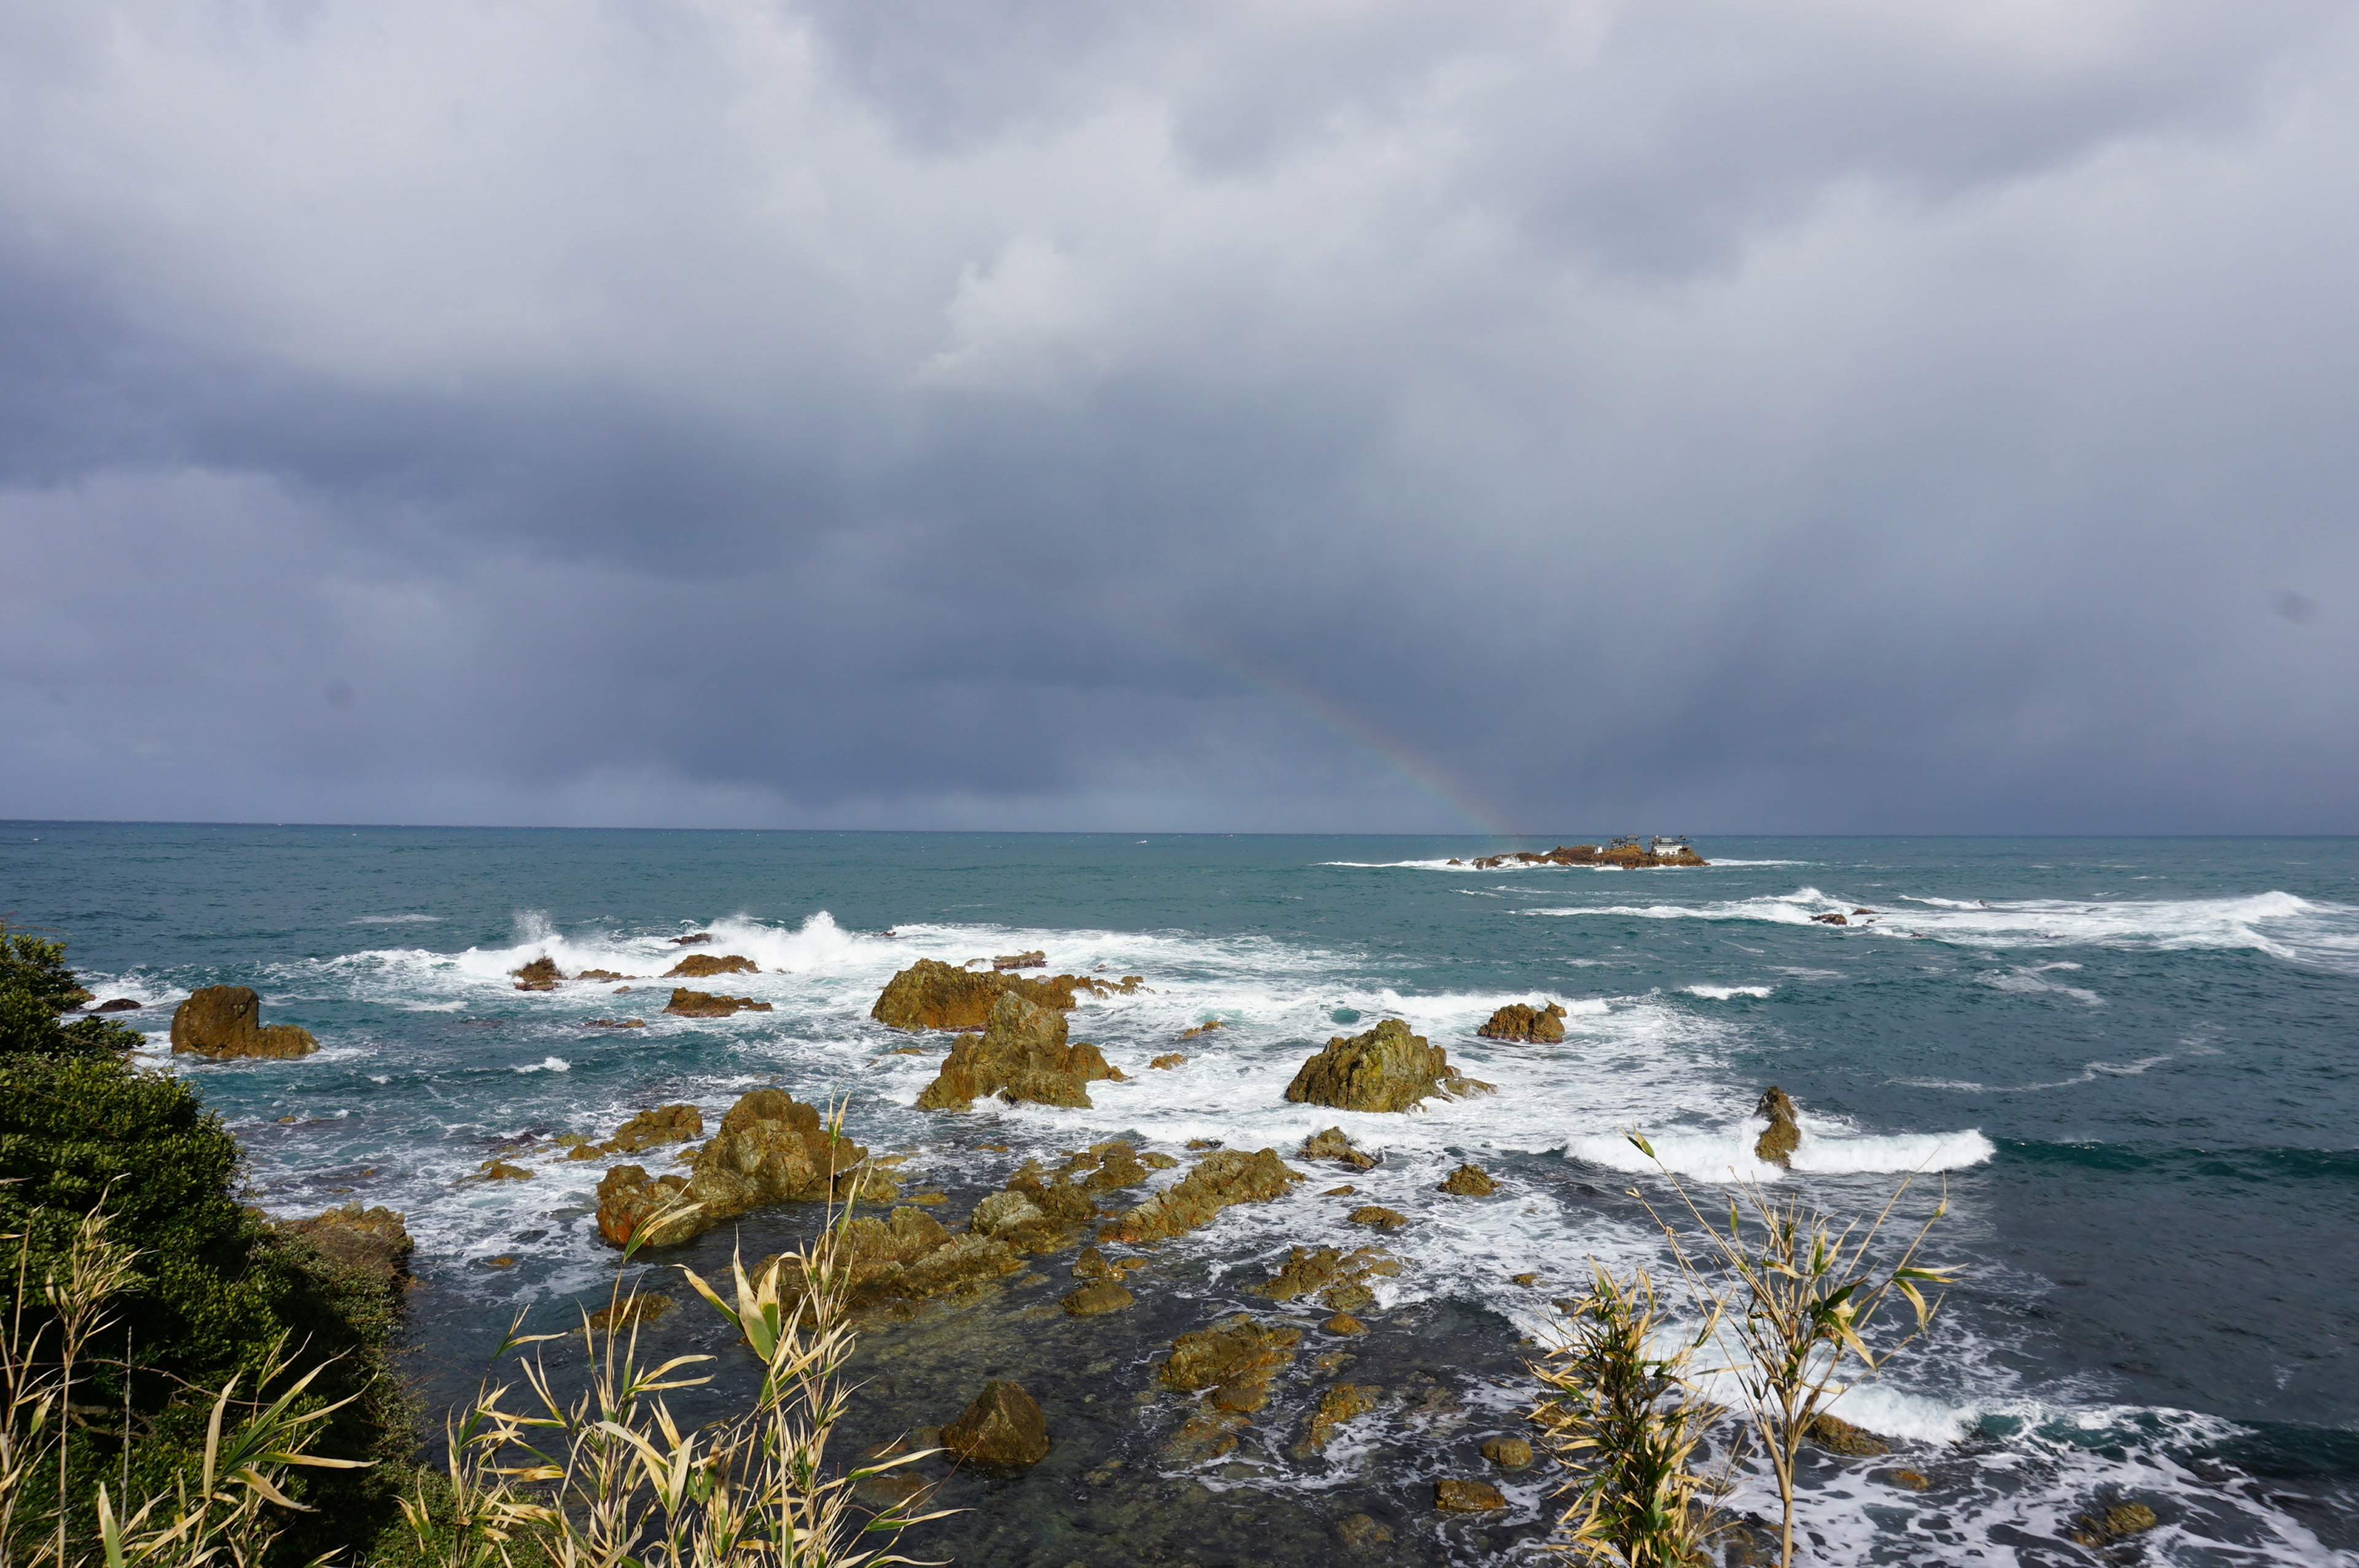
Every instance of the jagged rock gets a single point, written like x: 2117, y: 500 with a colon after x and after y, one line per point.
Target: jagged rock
x: 119, y: 1004
x: 1021, y: 1056
x: 1220, y: 1179
x: 1375, y: 1215
x: 1092, y: 1265
x: 1098, y: 1297
x: 769, y: 1148
x: 1387, y: 1069
x: 1363, y: 1532
x: 631, y: 1313
x: 601, y: 975
x: 705, y: 1004
x: 1004, y: 1211
x: 1469, y: 1181
x: 1833, y: 918
x: 1337, y: 1405
x: 1003, y: 1426
x: 1333, y: 1144
x: 1539, y: 1025
x: 652, y: 1128
x: 1911, y: 1481
x: 226, y: 1022
x: 501, y: 1171
x: 1627, y: 855
x: 374, y: 1241
x: 1508, y: 1453
x: 1330, y: 1273
x: 1234, y: 1360
x: 1455, y: 1497
x: 2117, y: 1523
x: 1168, y: 1060
x: 1036, y: 959
x: 1777, y: 1144
x: 615, y: 1023
x: 540, y: 975
x: 693, y: 938
x: 930, y: 994
x: 1838, y: 1436
x: 1204, y: 1028
x: 700, y: 966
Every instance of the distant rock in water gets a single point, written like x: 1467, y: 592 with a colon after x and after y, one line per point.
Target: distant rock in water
x: 1777, y: 1145
x: 1838, y: 1436
x: 226, y: 1022
x: 693, y: 938
x: 930, y: 994
x: 1541, y: 1025
x: 1834, y: 917
x: 1387, y: 1069
x: 1020, y: 1056
x: 1036, y: 959
x: 701, y: 966
x: 769, y: 1148
x: 1004, y: 1426
x: 374, y: 1241
x: 705, y: 1004
x: 120, y: 1005
x: 1469, y: 1181
x: 540, y: 975
x: 1625, y: 855
x: 600, y: 975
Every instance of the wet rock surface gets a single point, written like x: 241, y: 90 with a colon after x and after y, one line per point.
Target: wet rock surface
x: 930, y: 994
x: 1387, y: 1069
x: 1334, y: 1144
x: 1531, y: 1025
x: 374, y: 1241
x: 1776, y: 1145
x: 769, y: 1148
x: 698, y: 965
x: 686, y: 1003
x: 540, y: 975
x: 1469, y: 1181
x: 1004, y: 1425
x: 1020, y: 1056
x: 226, y: 1022
x: 1222, y: 1179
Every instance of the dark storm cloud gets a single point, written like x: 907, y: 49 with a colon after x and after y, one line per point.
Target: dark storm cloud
x: 1841, y: 417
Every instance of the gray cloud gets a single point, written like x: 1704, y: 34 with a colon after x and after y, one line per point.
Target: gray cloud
x: 1037, y: 415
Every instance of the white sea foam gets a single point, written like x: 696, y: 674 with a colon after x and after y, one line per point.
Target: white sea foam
x: 547, y: 1065
x: 394, y: 919
x: 1826, y: 1149
x: 1722, y: 993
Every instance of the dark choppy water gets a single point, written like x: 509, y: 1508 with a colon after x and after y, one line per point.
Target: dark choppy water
x: 2135, y: 1061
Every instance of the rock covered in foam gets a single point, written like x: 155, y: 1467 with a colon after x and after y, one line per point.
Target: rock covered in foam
x: 226, y: 1022
x: 1533, y: 1025
x: 1469, y: 1181
x: 1387, y: 1069
x: 540, y: 975
x: 1336, y: 1145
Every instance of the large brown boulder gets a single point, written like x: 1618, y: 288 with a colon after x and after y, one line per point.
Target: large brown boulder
x: 374, y: 1241
x: 701, y: 966
x: 540, y: 975
x: 1336, y: 1144
x: 223, y: 1022
x: 1776, y: 1145
x: 706, y: 1004
x: 769, y: 1148
x: 1220, y: 1179
x: 930, y: 994
x: 1469, y: 1181
x: 1535, y: 1025
x: 1003, y: 1426
x: 1021, y: 1055
x: 1387, y: 1069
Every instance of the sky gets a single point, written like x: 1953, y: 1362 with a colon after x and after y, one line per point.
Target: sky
x: 1840, y: 416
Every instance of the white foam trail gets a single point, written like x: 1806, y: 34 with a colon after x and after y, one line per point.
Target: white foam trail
x: 549, y: 1064
x: 393, y: 919
x: 1824, y: 1151
x: 1722, y: 993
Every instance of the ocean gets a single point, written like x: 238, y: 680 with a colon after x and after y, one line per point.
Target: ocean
x: 2131, y: 1067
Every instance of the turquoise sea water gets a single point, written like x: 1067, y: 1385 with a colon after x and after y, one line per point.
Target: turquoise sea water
x: 2133, y: 1062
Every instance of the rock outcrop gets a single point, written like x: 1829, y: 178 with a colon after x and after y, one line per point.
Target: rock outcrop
x: 694, y: 939
x: 686, y: 1003
x: 654, y: 1128
x: 769, y: 1148
x: 1036, y: 959
x: 1020, y: 1056
x: 1626, y: 854
x: 1508, y: 1453
x: 1004, y: 1426
x: 1334, y: 1144
x: 540, y: 975
x: 1532, y: 1025
x: 1098, y: 1297
x: 702, y: 966
x: 1837, y: 1436
x: 1387, y: 1069
x: 1337, y: 1277
x: 374, y: 1241
x: 1469, y: 1181
x: 1220, y: 1179
x: 1168, y: 1060
x: 2109, y: 1526
x: 1456, y: 1496
x: 119, y: 1004
x: 1833, y: 917
x: 1236, y: 1360
x: 226, y: 1022
x: 1377, y: 1217
x: 1337, y: 1405
x: 930, y: 994
x: 1777, y: 1144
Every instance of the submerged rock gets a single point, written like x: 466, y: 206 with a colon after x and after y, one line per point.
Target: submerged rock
x: 1333, y: 1144
x: 769, y: 1148
x: 1378, y: 1215
x: 1387, y: 1069
x: 1777, y: 1144
x: 374, y: 1241
x: 1455, y: 1497
x: 1236, y: 1360
x: 1222, y: 1178
x: 1469, y: 1181
x: 631, y: 1312
x: 1538, y: 1025
x: 1020, y: 1056
x: 540, y: 975
x: 1508, y: 1453
x: 705, y: 1004
x: 697, y: 965
x: 225, y: 1023
x: 1363, y: 1532
x: 2106, y: 1527
x: 1833, y: 918
x: 1004, y: 1426
x: 1332, y: 1275
x: 1097, y: 1298
x: 1339, y: 1404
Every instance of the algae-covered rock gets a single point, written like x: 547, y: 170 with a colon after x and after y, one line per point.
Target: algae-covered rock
x: 1535, y: 1025
x: 1838, y: 1436
x: 930, y: 994
x: 374, y: 1241
x: 1004, y: 1426
x: 1377, y: 1216
x: 225, y: 1023
x: 2106, y: 1527
x: 1034, y: 959
x: 653, y: 1128
x: 540, y: 975
x: 1334, y: 1144
x: 1234, y: 1360
x: 1387, y: 1069
x: 1097, y: 1298
x: 1328, y: 1272
x: 1469, y: 1181
x: 701, y: 966
x: 1339, y: 1404
x: 1021, y: 1056
x: 1776, y: 1145
x: 689, y: 1003
x: 769, y: 1148
x: 1220, y: 1179
x: 1508, y: 1453
x: 631, y: 1312
x: 1457, y: 1497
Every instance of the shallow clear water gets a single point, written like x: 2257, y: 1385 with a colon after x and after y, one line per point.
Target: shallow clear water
x: 2133, y: 1062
